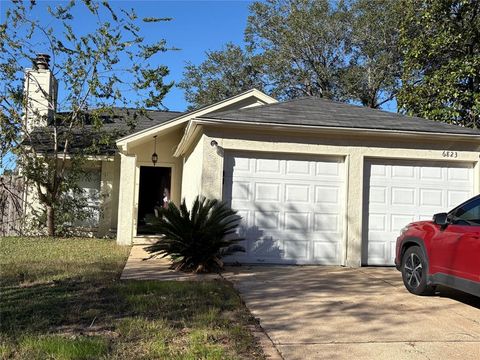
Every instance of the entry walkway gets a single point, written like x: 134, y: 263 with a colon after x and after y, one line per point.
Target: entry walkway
x: 138, y: 268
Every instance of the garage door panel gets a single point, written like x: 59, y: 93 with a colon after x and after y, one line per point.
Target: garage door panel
x: 400, y: 192
x: 266, y: 220
x: 457, y: 174
x: 398, y: 221
x: 326, y: 222
x: 298, y: 193
x: 378, y: 171
x: 403, y: 196
x: 241, y: 190
x: 241, y: 165
x: 267, y: 166
x: 267, y: 191
x: 377, y: 252
x: 298, y: 250
x: 403, y: 172
x: 378, y: 194
x: 378, y: 222
x: 431, y: 197
x: 264, y: 248
x: 297, y: 221
x: 328, y: 169
x: 326, y: 252
x: 431, y: 173
x: 245, y: 215
x: 327, y: 194
x: 455, y: 197
x: 297, y: 167
x: 287, y: 216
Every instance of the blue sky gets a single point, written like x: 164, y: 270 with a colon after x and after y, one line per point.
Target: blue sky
x: 197, y: 26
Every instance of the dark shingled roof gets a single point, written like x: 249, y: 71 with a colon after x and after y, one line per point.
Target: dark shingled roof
x: 116, y: 123
x: 313, y: 111
x: 120, y: 119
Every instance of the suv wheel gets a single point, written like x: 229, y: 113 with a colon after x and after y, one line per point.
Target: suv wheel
x: 414, y: 271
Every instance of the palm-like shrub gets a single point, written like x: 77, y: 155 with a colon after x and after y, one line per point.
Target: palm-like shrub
x: 197, y: 239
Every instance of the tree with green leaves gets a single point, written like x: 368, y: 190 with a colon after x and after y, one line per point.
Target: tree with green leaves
x: 223, y: 74
x: 105, y: 66
x: 373, y: 71
x: 302, y: 43
x: 440, y: 41
x: 345, y: 50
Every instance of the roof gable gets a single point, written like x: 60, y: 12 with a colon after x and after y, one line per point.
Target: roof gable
x: 248, y: 99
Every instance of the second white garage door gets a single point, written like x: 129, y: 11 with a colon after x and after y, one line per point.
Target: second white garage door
x: 292, y: 208
x: 400, y: 192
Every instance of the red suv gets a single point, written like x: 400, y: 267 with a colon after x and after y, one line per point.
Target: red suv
x: 445, y: 251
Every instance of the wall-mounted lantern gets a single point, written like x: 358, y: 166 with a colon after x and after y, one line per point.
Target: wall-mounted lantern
x: 154, y: 155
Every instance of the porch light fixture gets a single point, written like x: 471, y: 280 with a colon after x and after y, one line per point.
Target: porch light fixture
x: 154, y: 155
x: 218, y: 149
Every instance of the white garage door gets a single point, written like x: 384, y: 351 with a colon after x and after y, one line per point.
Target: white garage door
x: 292, y: 208
x: 402, y: 192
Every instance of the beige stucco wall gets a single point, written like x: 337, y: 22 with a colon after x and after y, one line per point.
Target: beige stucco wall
x: 192, y: 172
x: 355, y: 148
x: 126, y: 199
x: 131, y: 162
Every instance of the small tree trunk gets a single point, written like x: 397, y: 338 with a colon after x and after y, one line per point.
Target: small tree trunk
x: 50, y: 221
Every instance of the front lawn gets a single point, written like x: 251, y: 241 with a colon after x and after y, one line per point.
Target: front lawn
x: 61, y: 299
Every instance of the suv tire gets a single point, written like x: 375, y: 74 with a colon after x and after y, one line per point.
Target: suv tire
x: 415, y: 270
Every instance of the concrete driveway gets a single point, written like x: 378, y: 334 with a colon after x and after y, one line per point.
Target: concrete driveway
x: 314, y: 312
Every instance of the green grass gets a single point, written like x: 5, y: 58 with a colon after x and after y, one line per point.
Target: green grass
x: 58, y: 347
x: 61, y: 299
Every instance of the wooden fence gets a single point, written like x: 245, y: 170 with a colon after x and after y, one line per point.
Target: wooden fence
x: 11, y: 205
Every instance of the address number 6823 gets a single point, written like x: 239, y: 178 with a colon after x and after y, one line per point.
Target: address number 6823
x: 449, y: 154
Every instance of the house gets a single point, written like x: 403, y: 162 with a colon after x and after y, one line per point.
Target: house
x: 316, y: 181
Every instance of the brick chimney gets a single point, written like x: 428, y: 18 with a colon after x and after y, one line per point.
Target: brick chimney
x: 40, y: 89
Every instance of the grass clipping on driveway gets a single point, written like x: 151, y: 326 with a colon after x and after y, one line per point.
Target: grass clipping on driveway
x: 61, y: 299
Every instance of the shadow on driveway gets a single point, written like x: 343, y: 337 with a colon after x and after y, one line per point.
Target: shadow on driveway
x: 320, y: 312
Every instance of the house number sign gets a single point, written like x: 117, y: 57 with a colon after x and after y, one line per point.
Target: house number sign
x: 449, y: 154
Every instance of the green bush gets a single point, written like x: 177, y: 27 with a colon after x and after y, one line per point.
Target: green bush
x: 197, y: 239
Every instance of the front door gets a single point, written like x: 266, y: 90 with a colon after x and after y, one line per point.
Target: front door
x: 154, y: 194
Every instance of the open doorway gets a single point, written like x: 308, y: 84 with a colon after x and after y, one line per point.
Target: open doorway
x: 154, y: 193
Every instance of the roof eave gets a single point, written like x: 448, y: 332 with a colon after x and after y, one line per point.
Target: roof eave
x: 191, y: 132
x: 333, y: 129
